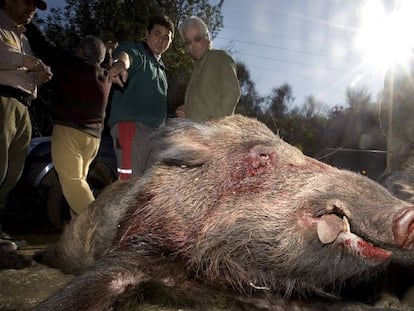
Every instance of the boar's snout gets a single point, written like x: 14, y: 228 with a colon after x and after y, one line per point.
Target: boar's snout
x: 403, y: 228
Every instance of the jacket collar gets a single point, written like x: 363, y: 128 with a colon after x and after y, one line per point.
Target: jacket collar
x: 151, y: 54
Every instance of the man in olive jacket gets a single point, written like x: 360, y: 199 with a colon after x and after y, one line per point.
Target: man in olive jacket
x: 213, y: 90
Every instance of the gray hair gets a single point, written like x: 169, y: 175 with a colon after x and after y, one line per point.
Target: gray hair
x: 93, y: 48
x: 194, y: 21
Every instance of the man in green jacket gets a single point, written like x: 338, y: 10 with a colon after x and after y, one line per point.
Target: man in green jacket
x: 213, y: 90
x: 141, y: 107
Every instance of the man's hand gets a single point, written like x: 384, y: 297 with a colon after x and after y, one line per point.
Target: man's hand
x: 119, y: 73
x: 180, y: 112
x: 111, y: 45
x: 38, y: 68
x: 119, y: 68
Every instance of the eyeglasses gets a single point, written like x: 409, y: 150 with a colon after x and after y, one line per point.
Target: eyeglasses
x: 196, y: 39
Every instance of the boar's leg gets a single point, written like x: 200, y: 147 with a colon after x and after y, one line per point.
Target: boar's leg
x: 110, y: 279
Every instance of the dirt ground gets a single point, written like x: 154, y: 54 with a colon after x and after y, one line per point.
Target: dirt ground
x: 22, y: 289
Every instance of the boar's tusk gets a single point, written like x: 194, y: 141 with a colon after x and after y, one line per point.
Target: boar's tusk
x: 347, y: 227
x: 329, y: 227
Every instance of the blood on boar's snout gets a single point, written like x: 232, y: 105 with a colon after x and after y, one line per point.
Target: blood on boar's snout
x: 230, y: 204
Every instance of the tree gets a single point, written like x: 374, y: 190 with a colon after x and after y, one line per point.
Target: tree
x: 250, y: 101
x: 276, y: 106
x: 336, y: 124
x: 363, y: 130
x: 358, y: 125
x: 358, y: 99
x: 353, y: 135
x: 311, y: 107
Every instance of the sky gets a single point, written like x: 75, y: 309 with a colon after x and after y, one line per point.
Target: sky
x: 310, y: 44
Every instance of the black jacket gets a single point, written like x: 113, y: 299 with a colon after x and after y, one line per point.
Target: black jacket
x: 80, y: 87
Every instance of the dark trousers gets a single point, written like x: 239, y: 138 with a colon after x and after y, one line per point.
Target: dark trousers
x: 15, y: 135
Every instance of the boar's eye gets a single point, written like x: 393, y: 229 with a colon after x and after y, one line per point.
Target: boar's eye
x: 183, y: 153
x: 181, y: 162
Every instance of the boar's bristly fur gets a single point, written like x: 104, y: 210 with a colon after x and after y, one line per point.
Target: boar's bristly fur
x: 230, y: 205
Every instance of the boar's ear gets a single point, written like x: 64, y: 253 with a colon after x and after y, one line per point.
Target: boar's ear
x: 181, y: 143
x: 258, y: 160
x: 263, y: 157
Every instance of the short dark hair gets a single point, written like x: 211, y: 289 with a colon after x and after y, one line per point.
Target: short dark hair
x: 163, y: 21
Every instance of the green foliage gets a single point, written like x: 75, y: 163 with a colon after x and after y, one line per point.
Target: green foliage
x: 357, y: 126
x: 308, y: 126
x: 250, y: 101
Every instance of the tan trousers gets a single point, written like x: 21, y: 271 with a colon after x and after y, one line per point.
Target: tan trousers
x: 15, y: 134
x: 72, y: 153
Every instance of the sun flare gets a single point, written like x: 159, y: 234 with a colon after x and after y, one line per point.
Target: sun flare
x: 386, y: 37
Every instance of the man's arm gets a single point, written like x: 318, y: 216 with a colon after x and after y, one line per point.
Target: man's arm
x: 119, y: 68
x: 43, y: 47
x: 124, y: 59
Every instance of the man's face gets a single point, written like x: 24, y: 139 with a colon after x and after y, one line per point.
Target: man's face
x: 159, y: 39
x: 196, y: 43
x: 20, y: 11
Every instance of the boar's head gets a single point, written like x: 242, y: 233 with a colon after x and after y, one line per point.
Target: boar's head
x: 242, y: 208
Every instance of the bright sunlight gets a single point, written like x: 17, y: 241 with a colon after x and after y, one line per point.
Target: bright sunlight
x: 386, y: 37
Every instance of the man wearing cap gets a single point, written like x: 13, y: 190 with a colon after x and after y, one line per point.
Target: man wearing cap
x: 20, y: 75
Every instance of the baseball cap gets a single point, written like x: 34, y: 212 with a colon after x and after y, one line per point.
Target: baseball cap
x: 41, y: 5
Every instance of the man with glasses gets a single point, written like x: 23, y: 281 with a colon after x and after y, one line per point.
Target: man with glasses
x: 20, y: 75
x: 213, y: 90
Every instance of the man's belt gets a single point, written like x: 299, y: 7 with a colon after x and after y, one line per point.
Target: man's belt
x: 21, y: 96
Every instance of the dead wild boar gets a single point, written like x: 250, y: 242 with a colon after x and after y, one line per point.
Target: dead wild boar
x: 233, y: 207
